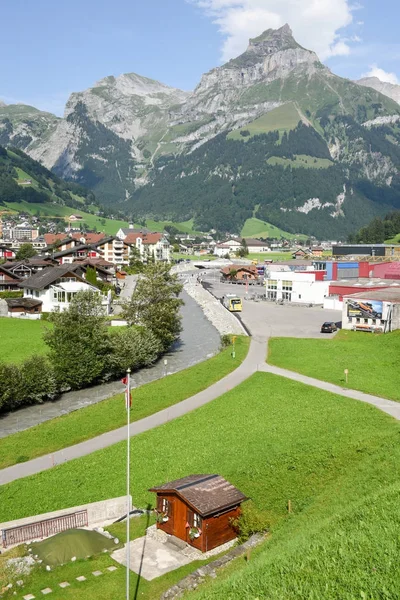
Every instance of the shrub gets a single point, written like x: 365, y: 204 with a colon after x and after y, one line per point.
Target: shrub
x: 226, y: 340
x: 37, y: 380
x: 133, y: 348
x: 11, y: 294
x: 252, y: 520
x: 245, y: 133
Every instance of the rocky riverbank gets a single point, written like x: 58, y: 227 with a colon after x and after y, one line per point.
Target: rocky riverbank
x: 224, y: 321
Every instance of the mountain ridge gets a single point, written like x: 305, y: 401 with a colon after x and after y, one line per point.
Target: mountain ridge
x: 127, y: 137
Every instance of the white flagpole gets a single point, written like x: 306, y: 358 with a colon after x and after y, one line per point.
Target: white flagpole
x: 128, y: 505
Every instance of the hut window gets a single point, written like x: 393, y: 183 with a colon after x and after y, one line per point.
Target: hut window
x: 163, y: 506
x: 196, y: 520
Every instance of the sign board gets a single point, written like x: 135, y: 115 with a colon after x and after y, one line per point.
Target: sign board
x: 367, y: 309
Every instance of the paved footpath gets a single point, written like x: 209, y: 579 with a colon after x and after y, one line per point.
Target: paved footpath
x: 255, y: 361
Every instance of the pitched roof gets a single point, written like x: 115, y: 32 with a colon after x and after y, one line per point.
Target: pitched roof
x: 51, y: 238
x: 253, y: 242
x: 249, y: 268
x: 389, y: 294
x: 90, y: 238
x: 9, y: 273
x: 74, y: 250
x: 128, y: 230
x: 23, y: 302
x: 44, y: 278
x: 207, y: 494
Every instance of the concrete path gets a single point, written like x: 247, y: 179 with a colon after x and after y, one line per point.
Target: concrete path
x: 388, y: 406
x: 254, y: 359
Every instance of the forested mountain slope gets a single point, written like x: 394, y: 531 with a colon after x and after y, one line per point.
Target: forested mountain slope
x: 272, y: 133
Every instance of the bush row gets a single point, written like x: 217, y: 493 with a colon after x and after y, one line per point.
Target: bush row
x: 37, y: 379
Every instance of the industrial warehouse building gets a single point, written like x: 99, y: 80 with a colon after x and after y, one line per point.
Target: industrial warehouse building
x: 384, y: 250
x: 374, y: 311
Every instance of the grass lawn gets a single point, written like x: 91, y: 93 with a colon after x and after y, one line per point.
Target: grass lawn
x: 109, y: 414
x: 336, y: 459
x: 21, y: 339
x: 275, y: 256
x: 372, y: 360
x: 177, y: 256
x: 302, y: 160
x: 283, y: 118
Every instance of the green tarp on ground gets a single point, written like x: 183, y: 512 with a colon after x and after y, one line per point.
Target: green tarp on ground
x: 61, y: 548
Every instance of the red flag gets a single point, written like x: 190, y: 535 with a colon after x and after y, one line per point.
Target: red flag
x: 128, y: 395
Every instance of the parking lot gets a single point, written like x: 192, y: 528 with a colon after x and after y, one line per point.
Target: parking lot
x: 267, y: 319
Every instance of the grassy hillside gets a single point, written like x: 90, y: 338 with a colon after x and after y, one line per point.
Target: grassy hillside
x: 372, y: 360
x: 109, y: 226
x: 257, y: 228
x: 336, y: 459
x: 283, y: 118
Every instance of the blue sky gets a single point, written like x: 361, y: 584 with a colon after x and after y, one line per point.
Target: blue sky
x: 51, y: 48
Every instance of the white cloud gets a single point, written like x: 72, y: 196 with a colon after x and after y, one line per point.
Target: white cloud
x: 381, y: 74
x: 315, y: 23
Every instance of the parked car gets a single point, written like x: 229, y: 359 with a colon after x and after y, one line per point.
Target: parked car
x: 328, y: 327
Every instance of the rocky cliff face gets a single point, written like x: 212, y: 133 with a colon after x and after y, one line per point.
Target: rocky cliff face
x: 390, y: 90
x: 130, y: 134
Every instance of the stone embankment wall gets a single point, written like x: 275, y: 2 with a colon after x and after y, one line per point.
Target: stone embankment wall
x: 192, y: 581
x: 224, y: 321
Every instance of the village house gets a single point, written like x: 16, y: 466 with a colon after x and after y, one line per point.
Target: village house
x: 199, y: 510
x: 113, y: 249
x: 9, y: 282
x: 24, y: 307
x: 6, y: 252
x: 56, y: 286
x: 240, y: 272
x: 29, y: 266
x: 80, y: 251
x: 150, y: 245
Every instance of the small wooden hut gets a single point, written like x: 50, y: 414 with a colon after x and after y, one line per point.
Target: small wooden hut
x: 199, y: 509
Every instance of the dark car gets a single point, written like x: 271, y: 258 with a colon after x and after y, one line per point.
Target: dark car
x: 328, y: 327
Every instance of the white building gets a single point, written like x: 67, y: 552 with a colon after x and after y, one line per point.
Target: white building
x: 55, y: 287
x: 257, y: 246
x: 150, y: 244
x: 303, y: 287
x: 377, y: 310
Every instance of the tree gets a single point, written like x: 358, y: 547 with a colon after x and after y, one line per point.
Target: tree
x: 79, y: 342
x: 243, y: 250
x: 135, y: 261
x: 91, y: 276
x: 25, y: 251
x: 155, y: 303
